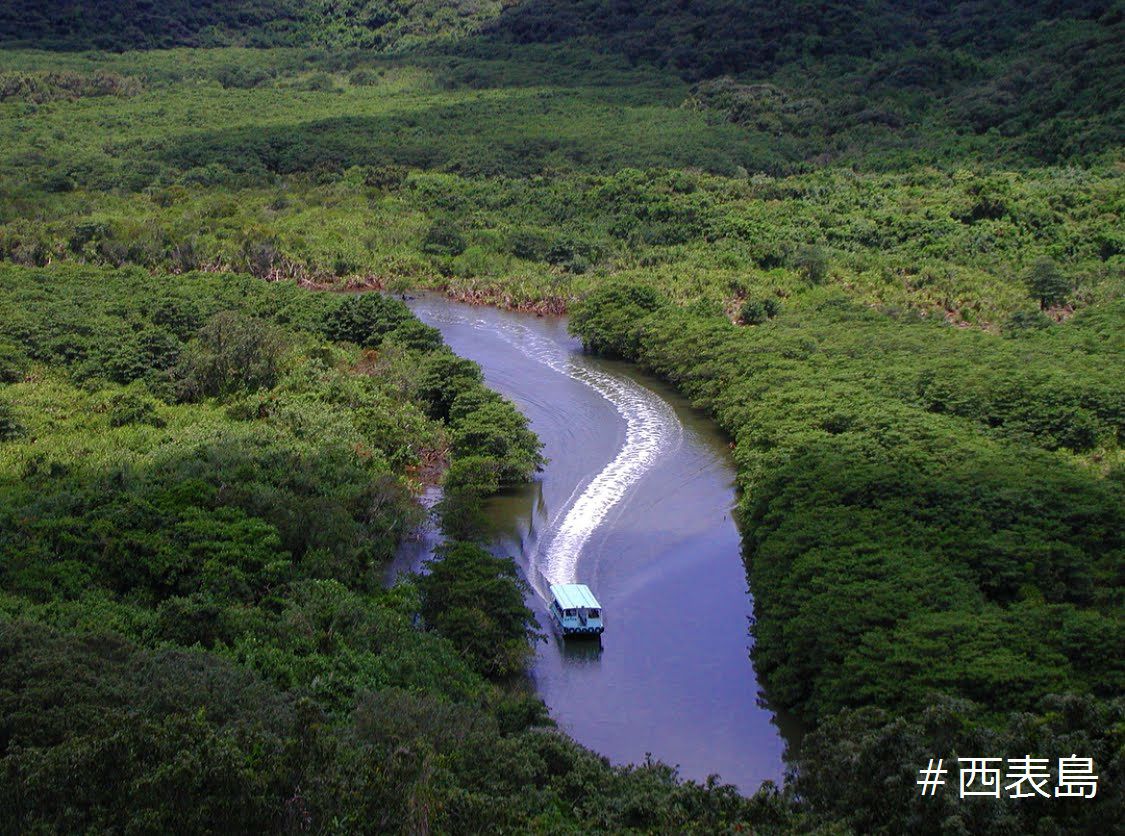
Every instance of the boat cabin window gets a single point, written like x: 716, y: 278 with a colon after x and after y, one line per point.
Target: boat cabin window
x: 594, y: 613
x: 569, y: 613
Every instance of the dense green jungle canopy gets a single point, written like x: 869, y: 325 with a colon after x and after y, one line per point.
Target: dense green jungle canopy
x: 880, y: 242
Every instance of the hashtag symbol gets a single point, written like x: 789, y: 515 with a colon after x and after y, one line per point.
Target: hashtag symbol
x: 931, y: 777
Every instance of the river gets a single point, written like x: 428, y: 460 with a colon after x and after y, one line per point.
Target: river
x: 635, y: 501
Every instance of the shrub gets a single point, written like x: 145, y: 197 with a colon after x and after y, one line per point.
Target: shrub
x: 605, y: 320
x: 136, y: 355
x: 462, y: 516
x: 415, y: 334
x: 317, y: 82
x: 757, y: 311
x: 57, y: 182
x: 365, y: 319
x: 25, y: 243
x: 443, y: 238
x: 364, y: 77
x: 42, y: 87
x: 441, y: 378
x: 232, y: 353
x: 498, y: 431
x: 242, y: 77
x: 184, y: 257
x: 386, y: 177
x: 476, y: 601
x: 342, y: 266
x: 132, y: 407
x: 571, y: 254
x: 180, y: 315
x: 1027, y: 321
x: 479, y: 474
x: 10, y: 427
x: 529, y: 244
x: 13, y: 363
x: 260, y: 255
x: 812, y: 263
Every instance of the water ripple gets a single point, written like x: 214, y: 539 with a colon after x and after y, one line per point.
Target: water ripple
x: 651, y: 431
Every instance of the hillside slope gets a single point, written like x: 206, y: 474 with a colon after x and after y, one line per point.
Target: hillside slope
x: 1043, y: 81
x: 135, y: 24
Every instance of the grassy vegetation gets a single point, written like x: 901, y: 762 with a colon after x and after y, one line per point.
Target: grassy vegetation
x: 781, y: 209
x: 569, y: 177
x: 158, y: 432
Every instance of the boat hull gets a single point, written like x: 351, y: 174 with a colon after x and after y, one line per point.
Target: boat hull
x: 579, y: 632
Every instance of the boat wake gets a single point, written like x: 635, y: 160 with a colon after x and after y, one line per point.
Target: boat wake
x: 651, y: 431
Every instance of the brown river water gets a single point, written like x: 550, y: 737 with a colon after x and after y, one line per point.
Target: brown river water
x: 636, y: 502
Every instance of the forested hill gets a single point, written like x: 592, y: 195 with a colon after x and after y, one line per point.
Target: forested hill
x: 702, y: 39
x: 140, y: 24
x: 1043, y: 79
x: 706, y: 39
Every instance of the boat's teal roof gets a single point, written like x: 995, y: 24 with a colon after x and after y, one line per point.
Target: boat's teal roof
x: 572, y: 596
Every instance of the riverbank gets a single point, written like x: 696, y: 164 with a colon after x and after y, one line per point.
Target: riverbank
x: 201, y: 477
x: 932, y: 531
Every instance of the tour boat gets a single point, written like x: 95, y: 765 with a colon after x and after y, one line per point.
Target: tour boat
x: 576, y: 610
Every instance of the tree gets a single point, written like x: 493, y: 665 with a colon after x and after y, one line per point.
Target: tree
x: 443, y: 238
x: 366, y: 319
x: 757, y: 311
x: 232, y: 353
x: 1047, y: 283
x: 10, y: 427
x: 476, y: 600
x: 812, y: 263
x: 442, y: 377
x: 500, y: 432
x: 607, y: 319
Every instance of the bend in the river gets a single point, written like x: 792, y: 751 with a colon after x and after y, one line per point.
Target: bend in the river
x: 636, y: 501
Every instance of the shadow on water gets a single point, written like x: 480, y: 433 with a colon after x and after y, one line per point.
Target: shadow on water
x: 584, y: 652
x: 642, y: 485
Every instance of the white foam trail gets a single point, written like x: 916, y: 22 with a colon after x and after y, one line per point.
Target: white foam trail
x: 651, y: 430
x: 648, y: 420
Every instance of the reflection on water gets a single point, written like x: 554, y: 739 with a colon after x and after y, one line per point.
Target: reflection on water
x: 419, y: 546
x: 635, y: 501
x: 579, y: 651
x: 516, y: 517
